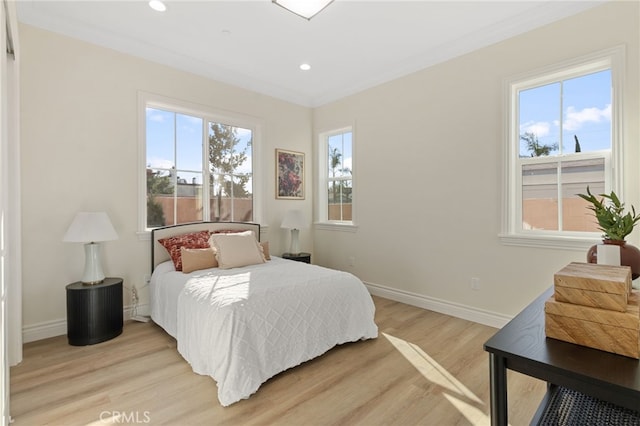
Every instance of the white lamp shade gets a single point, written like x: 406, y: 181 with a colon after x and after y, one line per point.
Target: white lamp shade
x: 305, y: 8
x: 90, y: 227
x: 294, y: 219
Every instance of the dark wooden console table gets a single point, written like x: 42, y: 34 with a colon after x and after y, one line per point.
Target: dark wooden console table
x: 522, y: 346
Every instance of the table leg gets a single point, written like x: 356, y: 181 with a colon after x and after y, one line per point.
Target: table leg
x: 498, y: 388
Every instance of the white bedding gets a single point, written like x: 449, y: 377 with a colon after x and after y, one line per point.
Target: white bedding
x: 242, y: 326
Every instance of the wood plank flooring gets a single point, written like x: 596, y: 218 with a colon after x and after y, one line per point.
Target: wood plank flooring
x: 424, y: 368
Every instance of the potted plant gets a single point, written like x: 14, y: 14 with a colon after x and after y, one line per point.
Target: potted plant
x: 616, y: 225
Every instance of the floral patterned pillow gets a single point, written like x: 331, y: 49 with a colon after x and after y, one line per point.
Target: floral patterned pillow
x: 193, y: 240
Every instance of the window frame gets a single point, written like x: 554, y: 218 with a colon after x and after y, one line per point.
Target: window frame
x: 511, y: 226
x: 323, y: 221
x: 208, y: 114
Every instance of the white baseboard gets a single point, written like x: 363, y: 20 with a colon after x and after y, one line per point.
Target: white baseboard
x: 44, y: 330
x: 492, y: 319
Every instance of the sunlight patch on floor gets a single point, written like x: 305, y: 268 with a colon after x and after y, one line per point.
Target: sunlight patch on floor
x: 435, y: 373
x: 474, y: 415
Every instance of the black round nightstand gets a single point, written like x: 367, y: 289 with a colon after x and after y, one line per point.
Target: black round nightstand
x: 299, y: 257
x: 94, y: 312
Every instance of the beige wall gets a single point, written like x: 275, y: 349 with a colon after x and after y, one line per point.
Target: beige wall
x: 80, y: 152
x: 437, y: 134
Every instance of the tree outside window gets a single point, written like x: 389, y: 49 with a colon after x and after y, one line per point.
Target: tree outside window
x: 340, y: 178
x: 230, y: 173
x: 176, y: 174
x: 564, y: 146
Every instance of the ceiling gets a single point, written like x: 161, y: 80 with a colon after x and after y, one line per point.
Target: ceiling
x: 351, y: 45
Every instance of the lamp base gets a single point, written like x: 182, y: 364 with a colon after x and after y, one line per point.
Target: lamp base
x: 295, y: 242
x: 92, y: 268
x: 92, y: 283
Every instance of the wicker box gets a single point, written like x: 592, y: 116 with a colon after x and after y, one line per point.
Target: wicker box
x: 599, y: 286
x: 607, y: 330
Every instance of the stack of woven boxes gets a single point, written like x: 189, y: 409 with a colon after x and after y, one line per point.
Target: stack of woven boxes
x: 595, y: 306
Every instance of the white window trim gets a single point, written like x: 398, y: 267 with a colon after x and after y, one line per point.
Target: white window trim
x: 146, y: 99
x: 322, y: 152
x: 511, y: 232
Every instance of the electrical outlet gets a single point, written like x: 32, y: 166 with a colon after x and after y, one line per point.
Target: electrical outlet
x: 475, y: 283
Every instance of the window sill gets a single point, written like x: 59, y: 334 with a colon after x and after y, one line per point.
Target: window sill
x: 341, y: 227
x: 545, y: 241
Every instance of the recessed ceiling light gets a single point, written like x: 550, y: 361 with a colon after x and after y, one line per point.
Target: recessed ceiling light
x: 305, y: 67
x: 157, y: 5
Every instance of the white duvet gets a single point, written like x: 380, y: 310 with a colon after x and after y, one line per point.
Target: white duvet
x: 243, y: 326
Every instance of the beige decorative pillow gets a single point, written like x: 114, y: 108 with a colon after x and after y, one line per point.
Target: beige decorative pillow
x: 236, y: 250
x: 265, y: 249
x: 195, y: 259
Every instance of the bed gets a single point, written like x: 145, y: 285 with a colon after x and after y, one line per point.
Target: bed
x: 243, y: 325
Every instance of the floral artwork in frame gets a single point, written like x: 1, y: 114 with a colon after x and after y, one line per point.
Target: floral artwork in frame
x: 289, y: 175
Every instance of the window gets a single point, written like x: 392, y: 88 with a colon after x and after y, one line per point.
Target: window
x: 198, y: 166
x: 562, y: 137
x: 335, y: 155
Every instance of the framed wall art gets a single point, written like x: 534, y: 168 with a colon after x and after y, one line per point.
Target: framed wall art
x: 289, y: 175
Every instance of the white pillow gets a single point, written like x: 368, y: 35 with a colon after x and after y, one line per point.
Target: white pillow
x: 236, y: 249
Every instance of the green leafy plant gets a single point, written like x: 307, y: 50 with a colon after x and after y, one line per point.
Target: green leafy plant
x: 610, y: 215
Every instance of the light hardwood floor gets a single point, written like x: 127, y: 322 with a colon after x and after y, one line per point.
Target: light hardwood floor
x: 424, y: 368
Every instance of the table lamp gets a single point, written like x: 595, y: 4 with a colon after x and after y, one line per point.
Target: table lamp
x: 91, y: 228
x: 294, y: 220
